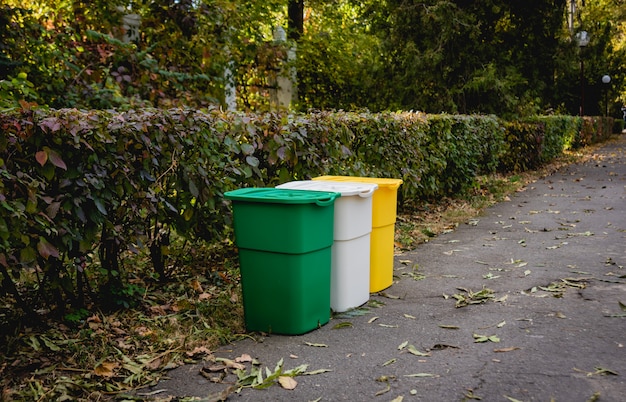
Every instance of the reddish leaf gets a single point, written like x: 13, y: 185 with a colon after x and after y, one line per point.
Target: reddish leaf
x: 56, y: 160
x: 50, y: 124
x: 53, y: 209
x: 42, y: 157
x: 46, y: 249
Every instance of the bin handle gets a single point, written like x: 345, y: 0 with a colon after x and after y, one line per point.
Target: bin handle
x: 368, y: 192
x: 326, y: 202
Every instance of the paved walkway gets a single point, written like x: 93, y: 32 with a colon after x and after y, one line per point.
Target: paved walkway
x: 551, y: 264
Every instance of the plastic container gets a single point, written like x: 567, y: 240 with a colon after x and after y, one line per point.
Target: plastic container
x: 284, y: 221
x: 350, y: 268
x: 353, y: 210
x: 384, y: 210
x: 284, y: 239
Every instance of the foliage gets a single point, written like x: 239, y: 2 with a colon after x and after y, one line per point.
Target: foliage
x: 488, y: 56
x: 81, y: 188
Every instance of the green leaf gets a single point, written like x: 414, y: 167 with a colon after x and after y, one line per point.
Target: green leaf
x: 388, y: 362
x: 448, y: 326
x: 51, y: 345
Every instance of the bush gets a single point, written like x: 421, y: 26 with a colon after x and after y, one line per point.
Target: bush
x: 80, y: 188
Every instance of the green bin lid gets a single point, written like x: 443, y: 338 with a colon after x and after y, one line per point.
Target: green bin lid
x: 282, y: 196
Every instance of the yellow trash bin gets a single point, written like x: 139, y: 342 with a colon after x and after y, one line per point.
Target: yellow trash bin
x: 384, y: 211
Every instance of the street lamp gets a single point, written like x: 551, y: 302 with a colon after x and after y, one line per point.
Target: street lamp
x: 606, y: 79
x: 582, y: 38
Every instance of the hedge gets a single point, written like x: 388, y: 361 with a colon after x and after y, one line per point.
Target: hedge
x: 80, y: 184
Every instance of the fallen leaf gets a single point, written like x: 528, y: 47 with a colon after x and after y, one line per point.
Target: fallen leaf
x: 442, y: 346
x: 316, y: 345
x: 343, y: 325
x: 94, y: 318
x: 398, y: 399
x: 501, y: 299
x: 314, y: 372
x: 485, y: 338
x: 420, y: 375
x: 470, y: 395
x: 384, y: 391
x: 412, y: 350
x: 504, y: 350
x: 154, y: 364
x: 195, y: 285
x: 105, y: 369
x: 243, y: 358
x: 198, y: 350
x: 403, y: 345
x: 287, y: 382
x: 604, y: 371
x: 371, y: 320
x: 410, y: 316
x: 388, y: 296
x: 230, y: 363
x: 388, y: 362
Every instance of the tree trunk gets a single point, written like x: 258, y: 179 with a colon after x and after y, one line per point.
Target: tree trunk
x: 295, y: 13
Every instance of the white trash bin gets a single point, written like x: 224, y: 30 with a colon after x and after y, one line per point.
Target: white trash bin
x: 352, y: 227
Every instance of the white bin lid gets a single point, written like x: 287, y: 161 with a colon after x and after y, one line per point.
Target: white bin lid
x: 346, y: 189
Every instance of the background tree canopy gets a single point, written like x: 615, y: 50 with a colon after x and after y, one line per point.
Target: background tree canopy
x: 510, y: 58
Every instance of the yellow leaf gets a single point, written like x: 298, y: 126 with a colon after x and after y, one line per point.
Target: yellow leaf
x: 287, y: 382
x: 105, y: 369
x: 195, y: 285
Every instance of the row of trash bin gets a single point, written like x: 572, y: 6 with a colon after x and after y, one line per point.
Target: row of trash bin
x: 312, y: 246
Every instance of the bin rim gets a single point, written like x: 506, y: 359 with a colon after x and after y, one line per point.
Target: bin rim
x: 383, y: 182
x: 346, y: 189
x: 282, y: 196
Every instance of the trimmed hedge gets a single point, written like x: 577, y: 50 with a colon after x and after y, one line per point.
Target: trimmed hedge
x: 76, y: 184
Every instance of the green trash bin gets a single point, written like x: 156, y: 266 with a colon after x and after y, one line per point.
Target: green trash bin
x: 284, y: 239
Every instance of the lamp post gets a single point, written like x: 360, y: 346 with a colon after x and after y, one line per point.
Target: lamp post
x: 582, y: 38
x: 606, y: 79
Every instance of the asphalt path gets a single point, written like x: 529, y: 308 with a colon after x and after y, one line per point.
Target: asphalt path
x: 527, y: 302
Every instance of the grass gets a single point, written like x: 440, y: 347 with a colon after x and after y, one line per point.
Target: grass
x: 95, y: 355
